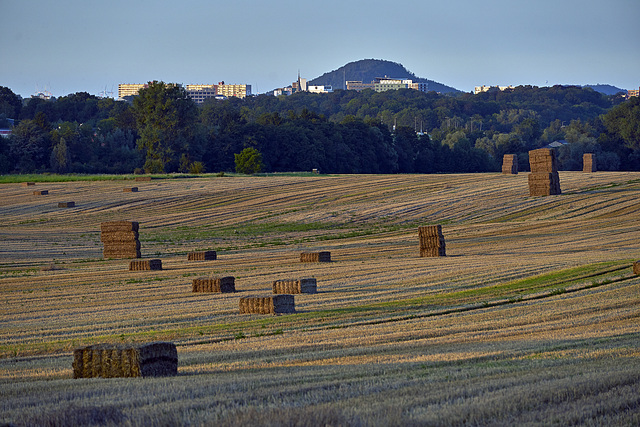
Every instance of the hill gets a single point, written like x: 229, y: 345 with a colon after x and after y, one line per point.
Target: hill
x: 606, y: 89
x: 367, y: 70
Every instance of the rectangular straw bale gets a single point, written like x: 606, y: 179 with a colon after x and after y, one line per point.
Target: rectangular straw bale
x: 67, y: 204
x: 119, y: 236
x: 121, y: 254
x: 125, y: 360
x: 146, y: 264
x: 589, y: 162
x: 41, y: 193
x: 510, y: 164
x: 202, y: 256
x: 433, y: 252
x: 115, y: 226
x: 130, y: 190
x: 214, y: 284
x: 636, y: 268
x: 274, y: 304
x: 295, y: 286
x: 543, y: 160
x: 430, y: 231
x: 143, y: 178
x: 323, y: 256
x: 27, y: 184
x: 544, y: 184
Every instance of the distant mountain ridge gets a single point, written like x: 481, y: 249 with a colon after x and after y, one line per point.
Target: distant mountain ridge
x: 606, y: 89
x: 366, y: 70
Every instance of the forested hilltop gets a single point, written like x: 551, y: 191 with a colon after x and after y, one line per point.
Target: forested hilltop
x: 403, y: 131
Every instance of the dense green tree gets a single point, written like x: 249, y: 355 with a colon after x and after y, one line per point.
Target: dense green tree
x: 248, y: 161
x: 166, y: 119
x: 10, y: 103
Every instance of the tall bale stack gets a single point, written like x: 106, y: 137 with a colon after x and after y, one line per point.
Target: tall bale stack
x: 432, y: 242
x: 147, y: 264
x: 202, y: 256
x: 323, y: 256
x: 120, y: 239
x: 295, y: 286
x: 214, y: 284
x: 154, y: 359
x: 589, y: 162
x: 274, y: 304
x: 543, y: 179
x: 510, y: 164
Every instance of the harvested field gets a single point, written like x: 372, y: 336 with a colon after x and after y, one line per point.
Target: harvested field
x: 532, y: 317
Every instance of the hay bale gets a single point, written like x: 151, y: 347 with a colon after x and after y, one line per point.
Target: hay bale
x: 143, y: 178
x: 202, y: 256
x: 214, y: 284
x: 323, y: 256
x: 274, y: 304
x: 114, y: 226
x: 544, y: 184
x: 510, y: 164
x: 589, y: 162
x: 121, y: 254
x: 295, y: 286
x: 67, y: 204
x: 130, y: 190
x: 145, y: 264
x: 636, y: 268
x: 27, y: 184
x: 125, y: 360
x: 432, y: 243
x: 120, y: 236
x: 41, y: 193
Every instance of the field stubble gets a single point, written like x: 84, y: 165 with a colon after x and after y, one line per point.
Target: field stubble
x: 532, y: 316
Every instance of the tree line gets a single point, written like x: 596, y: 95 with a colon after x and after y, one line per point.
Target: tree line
x: 403, y: 131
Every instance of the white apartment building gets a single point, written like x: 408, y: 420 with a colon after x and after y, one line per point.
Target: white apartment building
x: 320, y: 89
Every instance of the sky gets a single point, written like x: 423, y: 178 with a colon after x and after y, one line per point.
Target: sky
x: 69, y: 46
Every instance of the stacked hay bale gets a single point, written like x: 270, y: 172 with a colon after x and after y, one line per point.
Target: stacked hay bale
x: 543, y: 179
x: 589, y: 162
x: 274, y: 304
x: 28, y: 184
x: 214, y: 284
x: 202, y: 256
x: 315, y: 256
x: 431, y: 241
x: 147, y: 264
x: 143, y: 178
x: 120, y: 239
x: 295, y: 286
x: 41, y: 192
x: 510, y: 164
x: 130, y: 190
x: 67, y: 204
x: 636, y: 268
x: 125, y: 360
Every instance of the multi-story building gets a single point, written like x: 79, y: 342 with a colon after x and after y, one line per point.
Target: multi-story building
x: 633, y: 92
x: 239, y: 91
x: 483, y: 88
x: 358, y: 85
x: 130, y: 89
x: 320, y: 89
x: 199, y: 96
x: 381, y: 84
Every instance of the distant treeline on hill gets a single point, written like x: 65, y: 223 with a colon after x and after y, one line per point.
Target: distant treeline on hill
x: 403, y: 131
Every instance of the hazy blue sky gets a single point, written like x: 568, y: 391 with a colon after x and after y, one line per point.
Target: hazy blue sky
x: 68, y: 46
